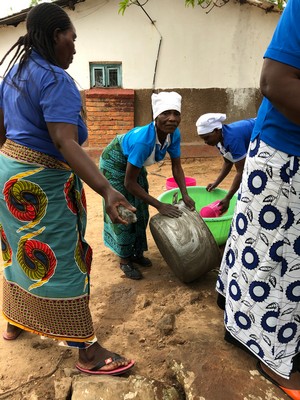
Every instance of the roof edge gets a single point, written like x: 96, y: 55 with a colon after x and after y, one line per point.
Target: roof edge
x: 16, y: 18
x: 265, y: 5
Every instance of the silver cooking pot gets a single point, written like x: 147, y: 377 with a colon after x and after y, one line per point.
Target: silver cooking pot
x: 185, y: 243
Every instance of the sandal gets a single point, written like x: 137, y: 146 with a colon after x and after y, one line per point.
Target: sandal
x: 97, y: 369
x: 293, y: 394
x: 130, y: 271
x: 141, y: 260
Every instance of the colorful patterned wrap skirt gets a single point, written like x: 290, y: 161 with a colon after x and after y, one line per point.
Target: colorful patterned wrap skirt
x: 124, y: 240
x: 46, y: 259
x: 260, y: 270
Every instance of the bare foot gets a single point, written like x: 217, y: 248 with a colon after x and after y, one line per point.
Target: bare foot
x: 93, y: 355
x: 12, y: 332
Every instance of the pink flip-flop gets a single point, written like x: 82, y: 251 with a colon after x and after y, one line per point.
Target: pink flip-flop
x: 97, y: 369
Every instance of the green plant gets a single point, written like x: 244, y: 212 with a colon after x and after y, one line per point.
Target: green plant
x: 203, y: 3
x: 207, y: 3
x: 126, y: 3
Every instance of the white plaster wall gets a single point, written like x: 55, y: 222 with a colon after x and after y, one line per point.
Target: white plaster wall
x: 220, y: 49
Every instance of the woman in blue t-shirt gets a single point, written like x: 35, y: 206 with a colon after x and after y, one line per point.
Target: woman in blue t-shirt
x: 260, y: 271
x: 123, y: 163
x: 47, y: 261
x: 232, y: 141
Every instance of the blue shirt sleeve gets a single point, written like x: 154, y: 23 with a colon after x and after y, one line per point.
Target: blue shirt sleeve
x: 139, y: 154
x: 61, y: 101
x: 237, y: 136
x: 138, y: 144
x: 285, y: 43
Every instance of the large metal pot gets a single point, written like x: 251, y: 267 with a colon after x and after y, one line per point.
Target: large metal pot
x: 186, y: 244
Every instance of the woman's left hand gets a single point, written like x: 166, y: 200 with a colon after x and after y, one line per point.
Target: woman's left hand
x: 189, y: 202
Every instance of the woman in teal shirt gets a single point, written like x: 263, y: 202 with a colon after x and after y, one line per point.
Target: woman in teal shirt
x: 124, y: 161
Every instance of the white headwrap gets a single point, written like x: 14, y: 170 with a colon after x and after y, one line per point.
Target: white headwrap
x: 208, y: 122
x: 165, y: 101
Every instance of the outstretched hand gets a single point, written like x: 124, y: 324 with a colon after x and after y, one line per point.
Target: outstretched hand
x: 211, y: 186
x: 113, y: 200
x: 169, y: 210
x: 224, y: 204
x: 189, y: 202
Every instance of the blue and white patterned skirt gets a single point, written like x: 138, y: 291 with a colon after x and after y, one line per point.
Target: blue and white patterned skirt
x: 260, y: 270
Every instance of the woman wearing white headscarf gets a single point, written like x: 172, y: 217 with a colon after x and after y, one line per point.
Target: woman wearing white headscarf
x: 123, y: 163
x: 232, y: 141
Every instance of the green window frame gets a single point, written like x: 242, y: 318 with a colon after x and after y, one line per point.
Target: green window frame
x: 106, y: 74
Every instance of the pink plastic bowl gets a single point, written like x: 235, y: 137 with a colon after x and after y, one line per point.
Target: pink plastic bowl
x: 171, y: 183
x: 211, y: 210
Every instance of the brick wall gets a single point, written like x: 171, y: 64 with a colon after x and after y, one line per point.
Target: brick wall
x: 108, y: 113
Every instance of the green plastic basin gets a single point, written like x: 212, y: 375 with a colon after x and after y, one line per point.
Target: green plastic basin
x: 219, y: 226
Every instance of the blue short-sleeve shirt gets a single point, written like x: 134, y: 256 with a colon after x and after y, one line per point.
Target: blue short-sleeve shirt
x: 46, y: 94
x: 236, y: 139
x: 138, y: 145
x: 272, y: 126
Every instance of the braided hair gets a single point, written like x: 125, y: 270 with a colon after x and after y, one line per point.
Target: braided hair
x: 41, y: 22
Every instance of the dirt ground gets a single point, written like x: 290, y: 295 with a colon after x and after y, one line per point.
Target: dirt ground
x: 129, y: 315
